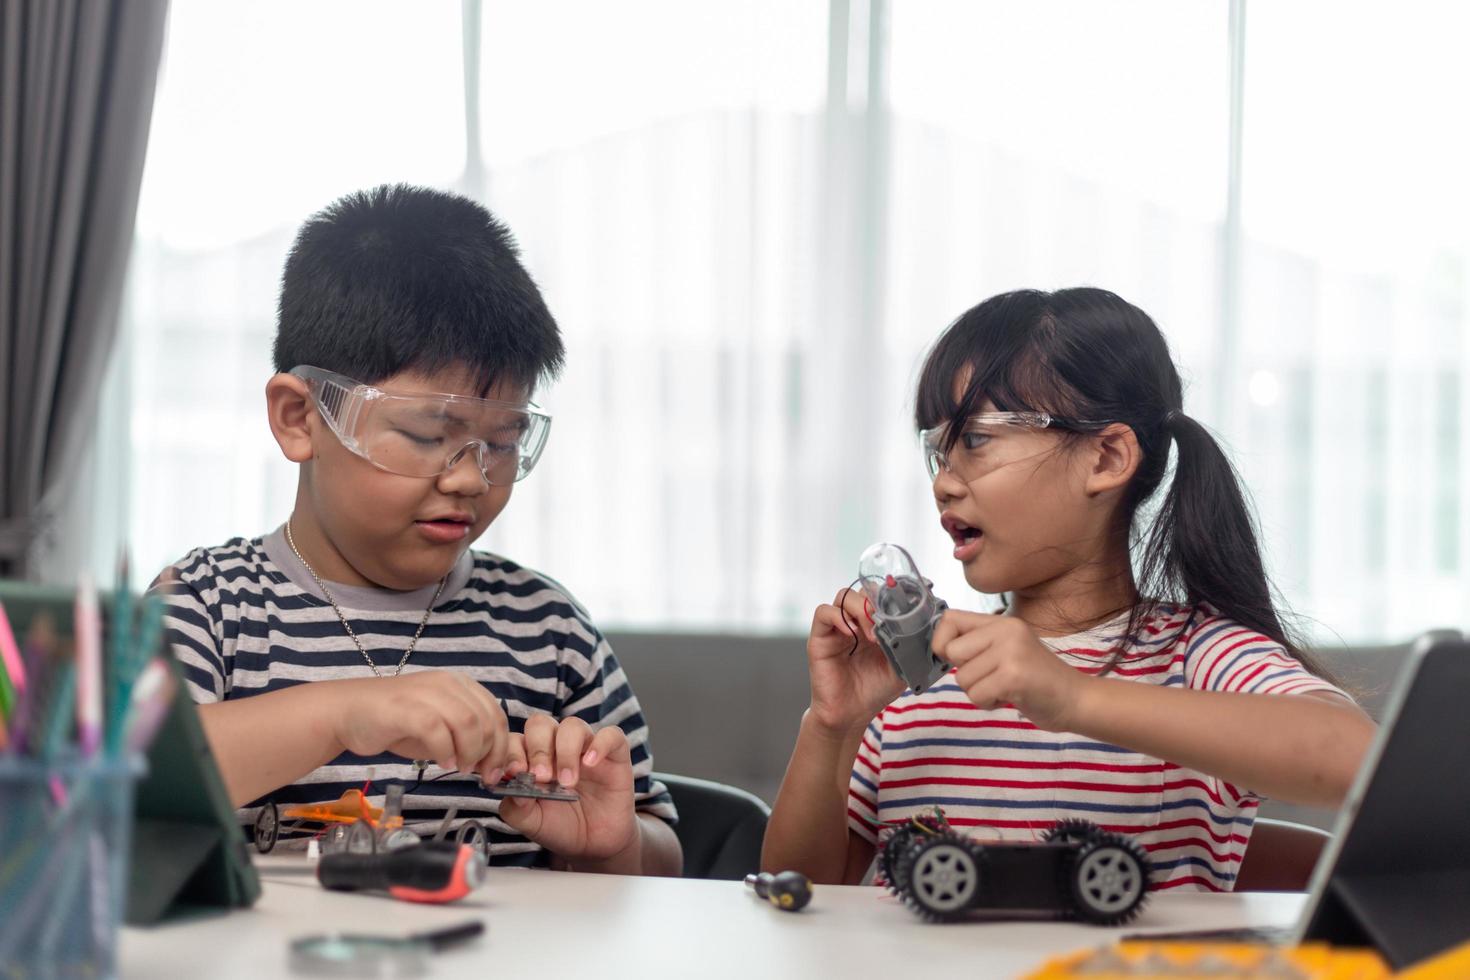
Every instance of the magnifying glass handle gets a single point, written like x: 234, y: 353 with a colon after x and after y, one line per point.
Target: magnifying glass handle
x: 444, y: 938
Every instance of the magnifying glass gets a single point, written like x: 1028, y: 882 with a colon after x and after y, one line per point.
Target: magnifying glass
x: 374, y: 955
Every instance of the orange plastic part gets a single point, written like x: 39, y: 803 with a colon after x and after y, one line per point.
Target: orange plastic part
x: 351, y: 808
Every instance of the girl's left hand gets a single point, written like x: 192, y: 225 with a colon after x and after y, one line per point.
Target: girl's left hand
x: 601, y: 824
x: 1001, y: 661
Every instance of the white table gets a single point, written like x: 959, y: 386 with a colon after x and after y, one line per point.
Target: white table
x: 546, y: 924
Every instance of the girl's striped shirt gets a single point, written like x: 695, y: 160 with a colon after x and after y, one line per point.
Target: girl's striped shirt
x: 247, y: 618
x: 997, y: 776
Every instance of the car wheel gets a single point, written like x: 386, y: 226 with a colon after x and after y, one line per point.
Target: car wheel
x: 360, y: 838
x: 267, y: 828
x: 471, y: 833
x: 943, y: 878
x: 395, y: 840
x: 891, y: 863
x: 1109, y: 880
x: 1073, y: 830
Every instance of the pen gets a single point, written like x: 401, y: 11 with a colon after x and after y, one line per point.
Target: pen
x: 88, y: 646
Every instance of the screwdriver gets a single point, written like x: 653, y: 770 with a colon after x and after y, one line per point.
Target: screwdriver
x: 434, y: 871
x: 789, y: 891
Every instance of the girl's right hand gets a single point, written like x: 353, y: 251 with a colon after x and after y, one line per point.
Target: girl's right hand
x: 849, y: 685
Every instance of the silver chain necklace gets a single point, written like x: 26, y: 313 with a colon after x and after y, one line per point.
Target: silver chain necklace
x: 348, y: 626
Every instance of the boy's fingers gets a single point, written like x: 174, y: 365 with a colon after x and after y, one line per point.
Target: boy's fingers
x: 515, y: 755
x: 608, y: 743
x: 522, y: 815
x: 571, y: 735
x: 473, y: 724
x: 438, y: 744
x: 540, y: 736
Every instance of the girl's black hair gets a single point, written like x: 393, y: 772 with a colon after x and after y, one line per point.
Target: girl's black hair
x: 1087, y: 354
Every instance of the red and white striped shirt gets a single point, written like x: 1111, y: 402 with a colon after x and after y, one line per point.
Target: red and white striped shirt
x: 999, y: 777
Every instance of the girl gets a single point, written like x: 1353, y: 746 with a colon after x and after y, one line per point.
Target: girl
x: 1139, y: 675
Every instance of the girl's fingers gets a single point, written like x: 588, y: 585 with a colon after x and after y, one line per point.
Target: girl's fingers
x: 829, y: 619
x: 855, y: 606
x: 965, y: 647
x: 956, y: 623
x: 974, y: 673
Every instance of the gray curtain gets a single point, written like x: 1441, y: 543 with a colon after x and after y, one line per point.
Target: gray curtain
x: 76, y: 94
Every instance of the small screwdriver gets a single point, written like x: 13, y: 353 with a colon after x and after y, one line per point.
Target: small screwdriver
x: 789, y: 891
x: 434, y: 871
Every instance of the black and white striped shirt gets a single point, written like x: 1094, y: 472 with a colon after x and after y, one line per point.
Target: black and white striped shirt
x: 246, y: 618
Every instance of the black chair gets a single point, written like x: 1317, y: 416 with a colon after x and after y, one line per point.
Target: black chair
x: 720, y: 827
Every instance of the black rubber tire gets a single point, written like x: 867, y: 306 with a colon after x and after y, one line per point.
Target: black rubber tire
x: 943, y: 877
x: 267, y: 828
x: 1073, y: 829
x: 890, y: 858
x: 1108, y: 880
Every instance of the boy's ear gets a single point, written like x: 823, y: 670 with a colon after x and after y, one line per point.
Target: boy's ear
x: 1114, y: 460
x: 288, y: 405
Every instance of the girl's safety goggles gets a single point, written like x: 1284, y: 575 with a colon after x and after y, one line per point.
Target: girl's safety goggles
x: 978, y: 448
x: 426, y: 435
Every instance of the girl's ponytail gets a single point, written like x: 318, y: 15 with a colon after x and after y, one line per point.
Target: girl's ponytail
x: 1203, y: 543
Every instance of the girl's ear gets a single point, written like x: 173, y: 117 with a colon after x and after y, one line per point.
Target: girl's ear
x: 288, y: 406
x: 1115, y: 458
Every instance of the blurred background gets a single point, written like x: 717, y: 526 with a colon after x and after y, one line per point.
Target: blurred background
x: 752, y: 218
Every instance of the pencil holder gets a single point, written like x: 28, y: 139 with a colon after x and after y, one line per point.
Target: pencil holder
x: 65, y: 829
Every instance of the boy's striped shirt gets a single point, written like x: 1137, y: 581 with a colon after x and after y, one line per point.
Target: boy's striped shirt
x: 246, y: 618
x: 997, y: 776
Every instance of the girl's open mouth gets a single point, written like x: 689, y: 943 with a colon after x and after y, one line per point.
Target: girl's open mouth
x: 966, y: 538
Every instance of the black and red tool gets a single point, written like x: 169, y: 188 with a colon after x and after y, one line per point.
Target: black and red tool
x: 434, y: 871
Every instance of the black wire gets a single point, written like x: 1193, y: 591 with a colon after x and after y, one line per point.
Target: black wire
x: 842, y: 611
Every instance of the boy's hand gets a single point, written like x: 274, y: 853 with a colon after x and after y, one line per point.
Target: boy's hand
x: 430, y: 714
x: 1001, y: 661
x: 600, y: 824
x: 847, y: 690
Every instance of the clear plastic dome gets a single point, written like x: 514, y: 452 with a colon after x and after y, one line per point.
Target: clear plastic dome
x: 891, y: 580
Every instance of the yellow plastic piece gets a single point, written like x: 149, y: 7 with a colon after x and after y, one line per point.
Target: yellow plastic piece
x: 1451, y: 965
x: 1177, y: 961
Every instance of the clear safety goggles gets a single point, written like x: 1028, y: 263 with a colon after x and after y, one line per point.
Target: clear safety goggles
x: 981, y: 447
x: 426, y: 435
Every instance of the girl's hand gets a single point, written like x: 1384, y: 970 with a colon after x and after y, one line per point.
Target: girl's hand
x: 601, y: 824
x: 1001, y: 661
x: 847, y: 691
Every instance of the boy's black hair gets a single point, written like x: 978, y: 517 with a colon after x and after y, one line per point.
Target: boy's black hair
x: 403, y: 278
x: 1088, y: 354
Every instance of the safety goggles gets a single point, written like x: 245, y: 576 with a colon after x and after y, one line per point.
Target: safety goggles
x: 426, y: 435
x: 981, y: 443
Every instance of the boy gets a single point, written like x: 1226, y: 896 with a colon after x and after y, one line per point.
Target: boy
x: 363, y: 633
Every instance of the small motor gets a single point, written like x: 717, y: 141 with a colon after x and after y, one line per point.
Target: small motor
x: 905, y: 613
